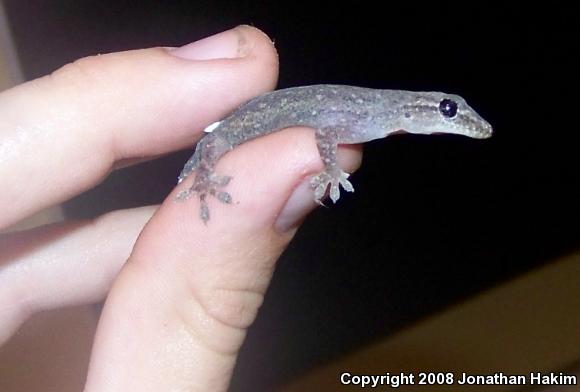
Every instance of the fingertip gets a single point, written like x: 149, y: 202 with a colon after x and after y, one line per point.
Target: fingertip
x: 239, y: 42
x: 243, y: 42
x: 302, y: 200
x: 349, y: 157
x: 256, y: 47
x: 258, y: 42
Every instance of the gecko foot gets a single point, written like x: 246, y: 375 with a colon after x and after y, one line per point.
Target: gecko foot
x: 334, y: 178
x: 204, y: 185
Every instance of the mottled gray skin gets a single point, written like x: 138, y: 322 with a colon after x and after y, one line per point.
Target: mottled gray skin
x: 339, y: 114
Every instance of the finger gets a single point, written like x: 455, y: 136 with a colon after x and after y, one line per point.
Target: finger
x: 63, y: 264
x: 61, y: 134
x: 178, y: 312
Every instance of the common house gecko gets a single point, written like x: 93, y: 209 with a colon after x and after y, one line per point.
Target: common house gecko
x: 339, y: 115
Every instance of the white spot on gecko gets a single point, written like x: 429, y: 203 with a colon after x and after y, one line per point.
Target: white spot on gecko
x: 211, y: 127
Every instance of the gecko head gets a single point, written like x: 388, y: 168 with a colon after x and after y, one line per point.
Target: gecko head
x: 435, y: 112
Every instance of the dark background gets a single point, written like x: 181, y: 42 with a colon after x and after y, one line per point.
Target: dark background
x: 434, y: 220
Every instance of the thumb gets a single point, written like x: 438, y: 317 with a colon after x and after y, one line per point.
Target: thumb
x: 179, y: 310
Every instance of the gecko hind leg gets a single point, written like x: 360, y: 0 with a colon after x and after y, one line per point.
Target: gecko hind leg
x: 207, y: 152
x: 203, y: 185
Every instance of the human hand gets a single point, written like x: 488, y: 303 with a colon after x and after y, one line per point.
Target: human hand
x: 177, y: 311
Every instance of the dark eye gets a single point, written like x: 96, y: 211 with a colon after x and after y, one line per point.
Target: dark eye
x: 448, y: 108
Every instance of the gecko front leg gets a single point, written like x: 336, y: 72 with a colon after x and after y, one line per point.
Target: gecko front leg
x: 333, y: 175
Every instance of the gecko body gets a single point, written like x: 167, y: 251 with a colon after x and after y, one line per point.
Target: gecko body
x: 339, y: 115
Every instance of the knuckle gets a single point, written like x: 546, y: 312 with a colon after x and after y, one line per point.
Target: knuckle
x: 233, y: 308
x: 86, y: 71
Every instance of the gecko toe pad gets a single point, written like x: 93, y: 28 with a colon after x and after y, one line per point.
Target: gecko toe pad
x: 333, y: 178
x: 207, y: 185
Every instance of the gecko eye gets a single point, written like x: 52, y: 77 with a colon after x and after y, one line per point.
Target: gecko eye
x: 448, y: 108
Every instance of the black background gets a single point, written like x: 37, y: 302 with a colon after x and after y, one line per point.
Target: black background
x: 434, y: 220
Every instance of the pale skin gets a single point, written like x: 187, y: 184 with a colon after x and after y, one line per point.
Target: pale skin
x: 180, y: 295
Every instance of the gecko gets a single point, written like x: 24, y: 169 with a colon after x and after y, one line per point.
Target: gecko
x: 339, y: 114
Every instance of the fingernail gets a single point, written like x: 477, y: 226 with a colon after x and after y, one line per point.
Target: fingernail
x: 299, y: 204
x: 228, y: 44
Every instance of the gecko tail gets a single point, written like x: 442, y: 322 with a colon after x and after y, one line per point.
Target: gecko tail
x: 193, y: 162
x: 189, y: 167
